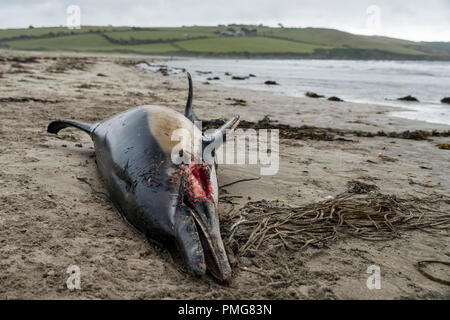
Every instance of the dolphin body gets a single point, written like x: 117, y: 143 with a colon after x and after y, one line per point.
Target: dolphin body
x: 165, y: 199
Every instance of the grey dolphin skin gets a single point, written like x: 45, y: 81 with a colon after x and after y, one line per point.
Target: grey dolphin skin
x: 160, y: 184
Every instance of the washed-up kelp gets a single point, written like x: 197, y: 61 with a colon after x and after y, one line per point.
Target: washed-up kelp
x: 264, y: 225
x: 327, y: 134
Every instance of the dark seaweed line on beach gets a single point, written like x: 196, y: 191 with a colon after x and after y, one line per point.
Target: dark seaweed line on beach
x: 326, y: 134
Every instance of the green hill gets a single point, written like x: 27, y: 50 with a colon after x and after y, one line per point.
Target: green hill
x: 231, y: 40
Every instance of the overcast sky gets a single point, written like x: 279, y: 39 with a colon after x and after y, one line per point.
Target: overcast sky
x: 427, y: 20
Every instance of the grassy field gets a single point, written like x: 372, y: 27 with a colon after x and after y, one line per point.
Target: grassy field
x: 86, y: 43
x: 6, y: 34
x: 82, y: 42
x: 234, y: 40
x: 161, y: 35
x: 246, y: 44
x: 339, y: 39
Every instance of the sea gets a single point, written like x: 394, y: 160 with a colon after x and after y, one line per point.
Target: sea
x: 372, y: 82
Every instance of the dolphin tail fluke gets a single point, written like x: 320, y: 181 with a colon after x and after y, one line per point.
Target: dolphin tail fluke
x: 189, y: 111
x: 56, y: 126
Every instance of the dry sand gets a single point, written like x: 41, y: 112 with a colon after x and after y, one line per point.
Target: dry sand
x: 49, y: 219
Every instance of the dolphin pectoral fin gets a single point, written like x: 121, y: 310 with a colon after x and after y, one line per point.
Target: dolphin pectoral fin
x: 56, y: 126
x: 189, y: 242
x: 220, y: 135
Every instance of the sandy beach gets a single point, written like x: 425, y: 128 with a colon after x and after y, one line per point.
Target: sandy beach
x: 50, y: 219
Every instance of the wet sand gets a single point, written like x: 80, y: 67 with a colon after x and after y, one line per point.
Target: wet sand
x: 49, y: 219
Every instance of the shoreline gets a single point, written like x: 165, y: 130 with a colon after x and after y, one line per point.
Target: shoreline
x: 359, y: 107
x: 221, y: 57
x: 424, y: 110
x: 49, y: 219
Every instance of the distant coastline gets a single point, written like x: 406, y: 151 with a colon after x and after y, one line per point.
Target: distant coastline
x: 232, y: 41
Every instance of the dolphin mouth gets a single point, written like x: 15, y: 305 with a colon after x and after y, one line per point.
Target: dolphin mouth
x: 213, y: 251
x: 203, y: 241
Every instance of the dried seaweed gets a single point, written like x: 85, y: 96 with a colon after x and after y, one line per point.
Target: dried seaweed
x: 19, y: 59
x: 26, y: 99
x: 359, y: 187
x: 374, y: 216
x: 64, y: 64
x: 326, y: 134
x: 444, y: 146
x: 421, y: 267
x: 237, y: 102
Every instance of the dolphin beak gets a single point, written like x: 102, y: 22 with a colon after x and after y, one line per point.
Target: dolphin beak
x: 207, y: 222
x: 199, y: 238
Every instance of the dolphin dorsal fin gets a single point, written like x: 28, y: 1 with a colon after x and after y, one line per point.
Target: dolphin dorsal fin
x: 189, y: 111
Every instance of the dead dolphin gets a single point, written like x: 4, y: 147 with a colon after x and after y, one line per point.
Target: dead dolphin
x: 164, y: 199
